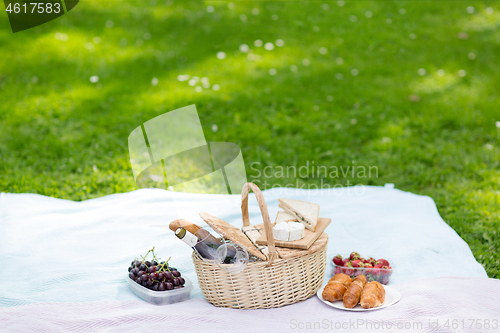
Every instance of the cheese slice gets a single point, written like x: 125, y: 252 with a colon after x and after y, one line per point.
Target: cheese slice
x: 288, y: 231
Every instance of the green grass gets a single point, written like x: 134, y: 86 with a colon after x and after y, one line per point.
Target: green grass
x: 63, y: 136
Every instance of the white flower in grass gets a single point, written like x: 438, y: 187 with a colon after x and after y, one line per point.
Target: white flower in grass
x: 258, y: 43
x: 97, y: 40
x: 273, y: 71
x: 497, y: 124
x: 210, y: 9
x: 339, y: 61
x: 214, y: 128
x: 323, y: 50
x: 470, y: 9
x: 402, y: 11
x: 215, y: 87
x: 94, y: 79
x: 489, y: 10
x: 221, y: 55
x: 421, y: 71
x: 440, y: 72
x: 472, y: 56
x: 353, y: 18
x: 354, y: 72
x: 294, y: 68
x: 462, y: 73
x: 306, y: 62
x: 269, y: 46
x: 154, y: 82
x: 488, y: 146
x: 368, y: 14
x: 243, y: 17
x: 198, y: 89
x: 255, y: 11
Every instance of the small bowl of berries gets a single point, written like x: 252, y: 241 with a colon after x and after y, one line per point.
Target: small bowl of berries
x: 157, y: 282
x: 373, y: 269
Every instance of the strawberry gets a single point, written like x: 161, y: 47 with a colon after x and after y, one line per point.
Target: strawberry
x: 337, y: 260
x: 347, y: 263
x: 357, y: 263
x: 348, y: 269
x: 358, y: 272
x: 363, y: 260
x: 368, y: 266
x: 378, y: 265
x: 384, y: 262
x: 346, y: 260
x: 372, y: 261
x: 354, y: 255
x: 338, y: 269
x: 376, y: 272
x: 385, y: 280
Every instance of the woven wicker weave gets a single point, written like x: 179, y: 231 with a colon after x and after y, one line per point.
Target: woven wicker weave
x: 262, y: 284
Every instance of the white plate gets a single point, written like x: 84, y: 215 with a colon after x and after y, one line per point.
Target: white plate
x: 392, y: 296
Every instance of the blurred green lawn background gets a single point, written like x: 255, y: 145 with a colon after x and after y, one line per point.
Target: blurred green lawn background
x: 411, y: 87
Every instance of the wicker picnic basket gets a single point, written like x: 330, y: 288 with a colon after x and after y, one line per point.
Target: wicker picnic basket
x: 262, y: 284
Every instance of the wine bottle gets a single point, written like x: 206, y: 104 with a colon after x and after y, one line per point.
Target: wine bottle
x: 203, y: 242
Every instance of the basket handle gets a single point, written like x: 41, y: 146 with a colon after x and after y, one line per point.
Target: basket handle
x: 265, y: 215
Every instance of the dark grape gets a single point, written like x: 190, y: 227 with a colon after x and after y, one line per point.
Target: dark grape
x: 144, y: 277
x: 130, y: 268
x: 140, y: 273
x: 154, y: 276
x: 155, y: 286
x: 181, y: 281
x: 162, y: 262
x: 147, y: 263
x: 154, y: 263
x: 169, y: 286
x: 161, y: 276
x: 176, y: 273
x: 135, y: 270
x: 137, y: 263
x: 138, y: 280
x: 172, y: 268
x: 149, y: 282
x: 132, y: 276
x: 143, y: 267
x: 161, y: 287
x: 168, y: 276
x: 176, y: 282
x: 152, y: 269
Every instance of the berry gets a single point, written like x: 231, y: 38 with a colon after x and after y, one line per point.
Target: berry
x: 161, y: 287
x: 181, y: 281
x: 354, y: 255
x: 169, y: 286
x: 176, y: 273
x: 169, y: 276
x: 154, y: 276
x: 346, y: 260
x: 132, y: 276
x: 161, y: 276
x: 384, y: 262
x: 140, y: 273
x: 372, y: 261
x: 144, y: 277
x: 357, y: 263
x: 130, y: 268
x: 143, y: 267
x: 152, y: 269
x: 337, y: 260
x: 368, y: 266
x: 385, y: 280
x: 147, y: 263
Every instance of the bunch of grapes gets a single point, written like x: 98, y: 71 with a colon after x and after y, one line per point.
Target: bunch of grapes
x: 155, y: 275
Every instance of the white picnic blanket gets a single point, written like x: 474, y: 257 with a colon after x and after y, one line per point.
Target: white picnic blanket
x: 65, y: 263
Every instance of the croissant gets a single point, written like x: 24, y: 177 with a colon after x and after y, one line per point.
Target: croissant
x: 336, y: 287
x: 373, y: 295
x: 353, y: 293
